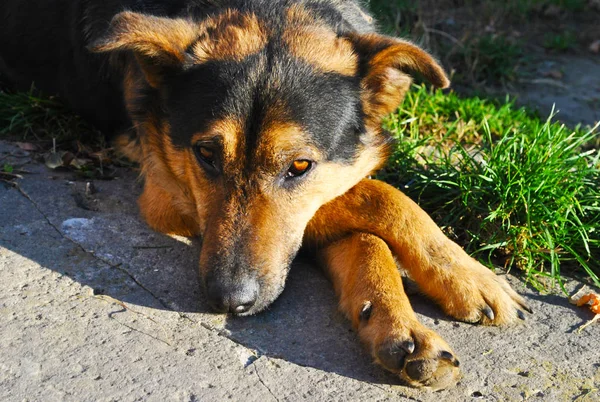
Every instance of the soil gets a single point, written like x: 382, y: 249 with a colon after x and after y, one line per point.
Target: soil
x: 575, y: 95
x: 548, y: 52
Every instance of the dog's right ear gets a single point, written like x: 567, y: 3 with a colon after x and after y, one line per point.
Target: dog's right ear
x: 158, y: 43
x: 385, y: 67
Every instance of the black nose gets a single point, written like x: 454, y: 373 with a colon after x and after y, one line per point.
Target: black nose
x: 236, y: 297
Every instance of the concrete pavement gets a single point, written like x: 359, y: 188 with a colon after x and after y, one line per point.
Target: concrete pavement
x: 94, y: 305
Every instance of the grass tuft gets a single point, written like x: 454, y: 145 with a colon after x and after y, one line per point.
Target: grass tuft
x: 493, y: 58
x: 26, y: 116
x: 516, y: 191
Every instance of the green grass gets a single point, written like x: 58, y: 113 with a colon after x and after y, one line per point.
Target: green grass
x: 514, y: 190
x: 491, y: 58
x: 560, y: 42
x: 29, y: 116
x: 395, y: 17
x: 524, y: 7
x: 478, y: 59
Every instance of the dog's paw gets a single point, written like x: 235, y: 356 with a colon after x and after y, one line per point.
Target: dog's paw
x: 470, y: 292
x: 419, y: 356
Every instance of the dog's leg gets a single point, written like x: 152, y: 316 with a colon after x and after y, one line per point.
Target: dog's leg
x: 369, y: 286
x: 464, y: 288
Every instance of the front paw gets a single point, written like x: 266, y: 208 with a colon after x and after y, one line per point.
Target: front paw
x: 418, y: 355
x: 470, y: 292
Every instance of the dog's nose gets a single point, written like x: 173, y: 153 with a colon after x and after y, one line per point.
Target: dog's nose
x: 236, y: 298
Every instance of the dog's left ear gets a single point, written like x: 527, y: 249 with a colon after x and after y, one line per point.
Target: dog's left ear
x: 385, y: 63
x: 158, y: 43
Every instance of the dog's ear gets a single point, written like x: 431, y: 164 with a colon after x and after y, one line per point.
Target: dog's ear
x: 158, y: 43
x: 385, y: 63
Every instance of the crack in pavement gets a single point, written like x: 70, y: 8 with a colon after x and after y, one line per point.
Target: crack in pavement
x: 91, y: 253
x: 264, y: 384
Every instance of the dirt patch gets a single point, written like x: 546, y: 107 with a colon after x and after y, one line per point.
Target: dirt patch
x: 542, y: 52
x: 570, y: 83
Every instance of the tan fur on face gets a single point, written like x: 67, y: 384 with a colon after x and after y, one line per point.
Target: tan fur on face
x: 158, y: 42
x: 230, y: 131
x: 231, y: 35
x: 282, y: 142
x: 316, y: 44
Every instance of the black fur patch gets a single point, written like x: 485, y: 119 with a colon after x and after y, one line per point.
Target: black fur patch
x: 58, y: 62
x: 327, y: 106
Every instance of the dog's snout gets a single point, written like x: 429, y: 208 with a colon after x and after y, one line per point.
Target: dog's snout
x: 236, y: 297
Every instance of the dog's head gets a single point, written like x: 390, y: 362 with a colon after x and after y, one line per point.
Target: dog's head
x: 250, y: 122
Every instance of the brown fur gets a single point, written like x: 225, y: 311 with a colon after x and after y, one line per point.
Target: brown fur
x: 441, y: 268
x: 229, y: 36
x: 363, y: 270
x: 311, y: 41
x: 386, y: 82
x: 320, y: 48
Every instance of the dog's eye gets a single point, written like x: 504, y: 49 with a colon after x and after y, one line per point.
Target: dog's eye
x: 206, y: 156
x: 298, y: 168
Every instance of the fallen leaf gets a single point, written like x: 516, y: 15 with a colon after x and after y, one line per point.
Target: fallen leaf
x: 595, y: 46
x: 556, y: 74
x: 589, y: 299
x: 27, y: 146
x: 79, y: 163
x: 552, y: 11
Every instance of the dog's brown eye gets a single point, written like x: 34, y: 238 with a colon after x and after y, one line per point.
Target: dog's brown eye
x: 206, y: 156
x: 298, y: 168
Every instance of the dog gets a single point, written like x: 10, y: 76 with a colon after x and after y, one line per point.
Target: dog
x: 256, y: 124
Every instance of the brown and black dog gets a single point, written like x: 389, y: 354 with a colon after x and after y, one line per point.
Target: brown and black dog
x: 256, y: 123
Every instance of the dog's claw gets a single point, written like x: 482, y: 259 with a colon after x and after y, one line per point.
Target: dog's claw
x: 393, y: 354
x: 521, y: 315
x: 421, y: 359
x: 450, y: 357
x: 489, y: 313
x: 527, y: 308
x: 365, y: 312
x: 409, y: 346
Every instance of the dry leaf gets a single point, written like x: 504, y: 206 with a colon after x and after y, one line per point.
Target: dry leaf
x: 556, y: 74
x: 27, y: 146
x: 79, y: 163
x: 589, y: 299
x: 595, y: 46
x: 552, y: 11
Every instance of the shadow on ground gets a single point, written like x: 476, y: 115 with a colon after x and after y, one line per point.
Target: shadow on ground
x: 100, y: 242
